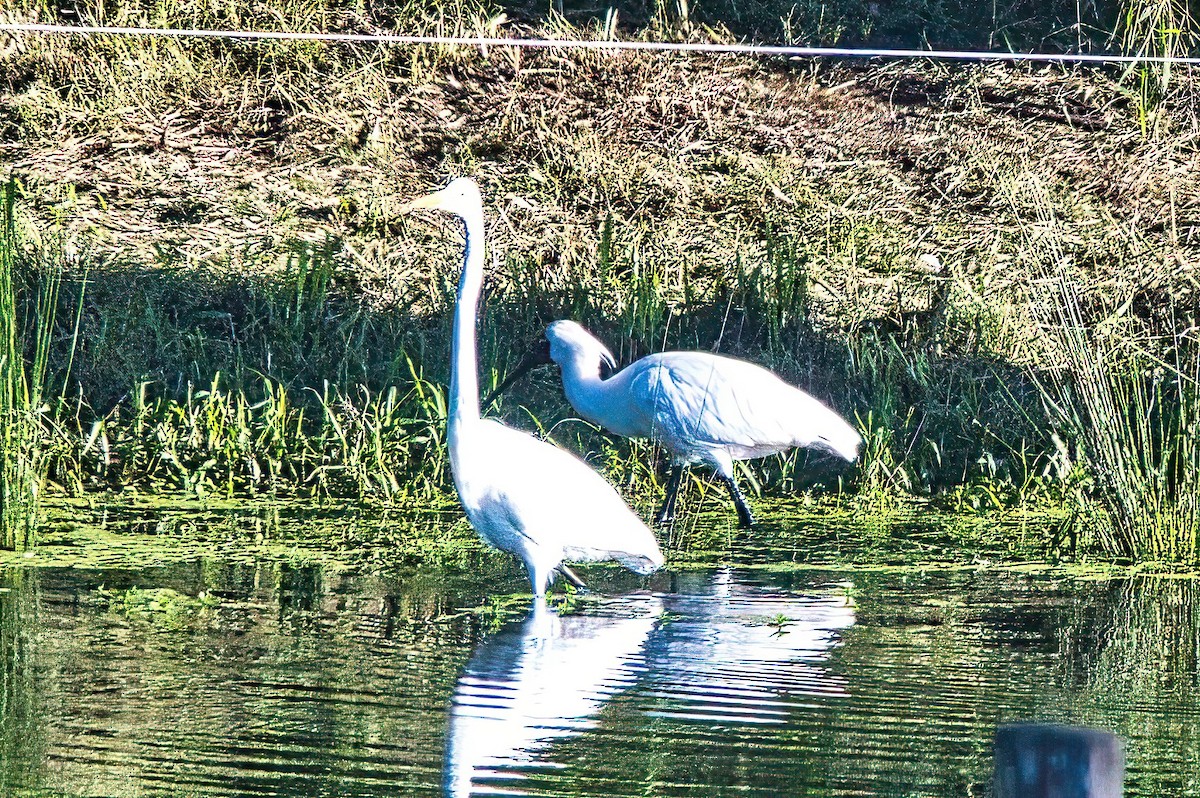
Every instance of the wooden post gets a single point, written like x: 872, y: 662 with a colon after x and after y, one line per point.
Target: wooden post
x: 1042, y: 760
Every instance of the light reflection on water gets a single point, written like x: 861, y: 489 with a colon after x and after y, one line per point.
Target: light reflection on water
x: 728, y: 653
x: 538, y: 680
x: 735, y: 648
x: 729, y: 681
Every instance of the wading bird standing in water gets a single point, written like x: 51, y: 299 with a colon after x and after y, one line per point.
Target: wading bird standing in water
x: 702, y: 408
x: 522, y: 495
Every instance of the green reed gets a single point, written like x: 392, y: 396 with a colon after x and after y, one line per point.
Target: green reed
x: 1155, y: 29
x: 28, y: 306
x: 1131, y: 402
x: 218, y: 441
x: 775, y: 290
x: 14, y: 493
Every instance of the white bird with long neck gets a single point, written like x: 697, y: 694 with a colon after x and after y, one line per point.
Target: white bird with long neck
x: 522, y: 495
x: 701, y: 407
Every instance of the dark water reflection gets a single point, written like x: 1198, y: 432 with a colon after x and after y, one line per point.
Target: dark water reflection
x: 303, y: 682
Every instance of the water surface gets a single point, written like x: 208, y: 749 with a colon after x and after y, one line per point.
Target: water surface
x: 740, y: 678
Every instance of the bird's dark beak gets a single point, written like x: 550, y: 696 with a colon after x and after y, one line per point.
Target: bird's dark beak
x: 538, y: 356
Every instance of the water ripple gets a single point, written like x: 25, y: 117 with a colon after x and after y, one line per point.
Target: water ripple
x: 723, y: 682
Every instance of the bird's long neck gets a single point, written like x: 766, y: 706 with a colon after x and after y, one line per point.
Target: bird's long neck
x: 464, y: 375
x: 586, y: 392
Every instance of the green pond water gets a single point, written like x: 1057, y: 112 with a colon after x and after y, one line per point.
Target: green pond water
x: 223, y: 652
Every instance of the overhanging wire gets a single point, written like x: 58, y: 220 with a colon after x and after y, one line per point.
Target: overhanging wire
x: 547, y: 44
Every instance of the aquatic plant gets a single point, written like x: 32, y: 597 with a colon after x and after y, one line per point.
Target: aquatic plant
x: 163, y: 608
x: 28, y: 305
x: 1131, y: 404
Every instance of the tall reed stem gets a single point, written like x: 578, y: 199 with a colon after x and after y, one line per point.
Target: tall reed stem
x: 1156, y: 28
x: 24, y: 320
x: 1134, y: 412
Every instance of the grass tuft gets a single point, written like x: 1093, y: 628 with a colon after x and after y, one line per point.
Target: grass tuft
x: 1157, y: 29
x: 1132, y: 405
x: 28, y: 304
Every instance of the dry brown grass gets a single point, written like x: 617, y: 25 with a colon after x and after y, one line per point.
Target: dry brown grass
x: 694, y: 158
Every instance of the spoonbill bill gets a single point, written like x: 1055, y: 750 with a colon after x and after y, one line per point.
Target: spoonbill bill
x: 522, y: 495
x: 701, y: 407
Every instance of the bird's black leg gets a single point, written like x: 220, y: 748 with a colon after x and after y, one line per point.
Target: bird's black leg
x: 666, y: 513
x: 745, y: 517
x: 571, y: 577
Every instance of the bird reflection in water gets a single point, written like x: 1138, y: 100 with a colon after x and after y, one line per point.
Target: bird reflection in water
x: 539, y: 681
x: 738, y: 651
x: 723, y: 649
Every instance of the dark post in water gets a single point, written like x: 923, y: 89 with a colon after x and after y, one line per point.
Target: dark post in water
x: 1036, y: 760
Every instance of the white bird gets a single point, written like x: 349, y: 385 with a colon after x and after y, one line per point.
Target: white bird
x: 701, y: 407
x: 524, y: 496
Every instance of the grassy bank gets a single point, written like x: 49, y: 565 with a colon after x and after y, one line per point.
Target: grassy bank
x: 256, y: 319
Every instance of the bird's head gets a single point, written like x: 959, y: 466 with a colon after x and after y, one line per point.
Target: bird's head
x: 571, y: 344
x: 565, y: 342
x: 461, y: 196
x: 837, y: 437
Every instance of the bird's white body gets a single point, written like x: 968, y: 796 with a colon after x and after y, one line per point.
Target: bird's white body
x: 524, y: 496
x: 543, y: 504
x: 701, y: 407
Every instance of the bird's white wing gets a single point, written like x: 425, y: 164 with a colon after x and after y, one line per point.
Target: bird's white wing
x: 553, y: 497
x: 698, y: 400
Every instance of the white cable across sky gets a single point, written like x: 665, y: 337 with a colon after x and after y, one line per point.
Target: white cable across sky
x: 679, y: 47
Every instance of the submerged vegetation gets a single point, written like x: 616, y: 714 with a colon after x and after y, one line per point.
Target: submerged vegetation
x: 212, y: 296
